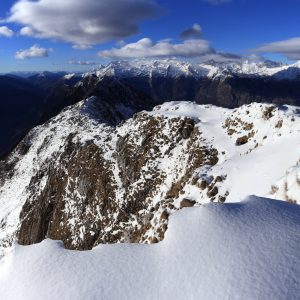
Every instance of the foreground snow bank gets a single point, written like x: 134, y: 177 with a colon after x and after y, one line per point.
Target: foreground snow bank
x: 247, y: 250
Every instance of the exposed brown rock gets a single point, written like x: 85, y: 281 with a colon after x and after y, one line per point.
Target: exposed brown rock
x: 187, y: 203
x: 187, y: 128
x: 279, y: 124
x: 203, y: 184
x: 164, y: 216
x: 219, y: 179
x: 268, y: 112
x: 213, y: 192
x: 230, y: 131
x: 222, y: 199
x: 242, y: 140
x: 153, y: 240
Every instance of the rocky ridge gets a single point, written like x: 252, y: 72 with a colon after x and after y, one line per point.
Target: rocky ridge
x: 83, y: 180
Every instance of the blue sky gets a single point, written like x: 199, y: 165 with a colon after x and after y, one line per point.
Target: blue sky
x: 236, y: 26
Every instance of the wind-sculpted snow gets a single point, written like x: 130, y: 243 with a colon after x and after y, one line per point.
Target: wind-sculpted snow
x: 247, y: 250
x: 81, y: 180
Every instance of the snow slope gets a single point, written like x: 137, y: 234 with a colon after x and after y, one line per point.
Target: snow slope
x: 251, y: 168
x: 247, y: 250
x: 288, y: 187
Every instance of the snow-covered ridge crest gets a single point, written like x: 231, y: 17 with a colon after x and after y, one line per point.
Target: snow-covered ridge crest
x: 97, y: 183
x: 148, y: 68
x: 174, y: 68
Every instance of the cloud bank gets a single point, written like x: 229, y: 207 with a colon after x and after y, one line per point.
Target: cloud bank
x: 147, y: 48
x: 85, y: 22
x: 33, y: 51
x: 289, y: 48
x: 5, y: 31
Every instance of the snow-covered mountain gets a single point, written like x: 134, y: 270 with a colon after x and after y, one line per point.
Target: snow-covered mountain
x: 229, y: 84
x: 176, y: 68
x: 82, y: 179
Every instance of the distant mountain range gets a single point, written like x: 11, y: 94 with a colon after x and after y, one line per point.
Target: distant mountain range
x: 36, y: 97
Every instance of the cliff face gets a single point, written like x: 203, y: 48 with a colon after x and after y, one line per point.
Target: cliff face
x: 93, y: 183
x: 103, y: 192
x: 81, y: 179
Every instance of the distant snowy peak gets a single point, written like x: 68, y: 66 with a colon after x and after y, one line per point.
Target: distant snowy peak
x: 290, y: 72
x: 174, y: 68
x: 250, y: 68
x: 166, y: 68
x: 69, y: 76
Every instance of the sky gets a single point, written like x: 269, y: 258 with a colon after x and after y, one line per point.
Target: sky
x: 77, y: 35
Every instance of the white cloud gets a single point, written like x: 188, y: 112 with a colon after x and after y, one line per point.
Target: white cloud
x: 191, y: 33
x: 33, y: 51
x: 5, y: 31
x: 82, y: 22
x: 82, y: 47
x: 146, y: 48
x: 27, y: 31
x: 82, y: 63
x: 289, y: 48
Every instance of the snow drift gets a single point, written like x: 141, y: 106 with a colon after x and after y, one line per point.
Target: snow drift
x: 247, y: 250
